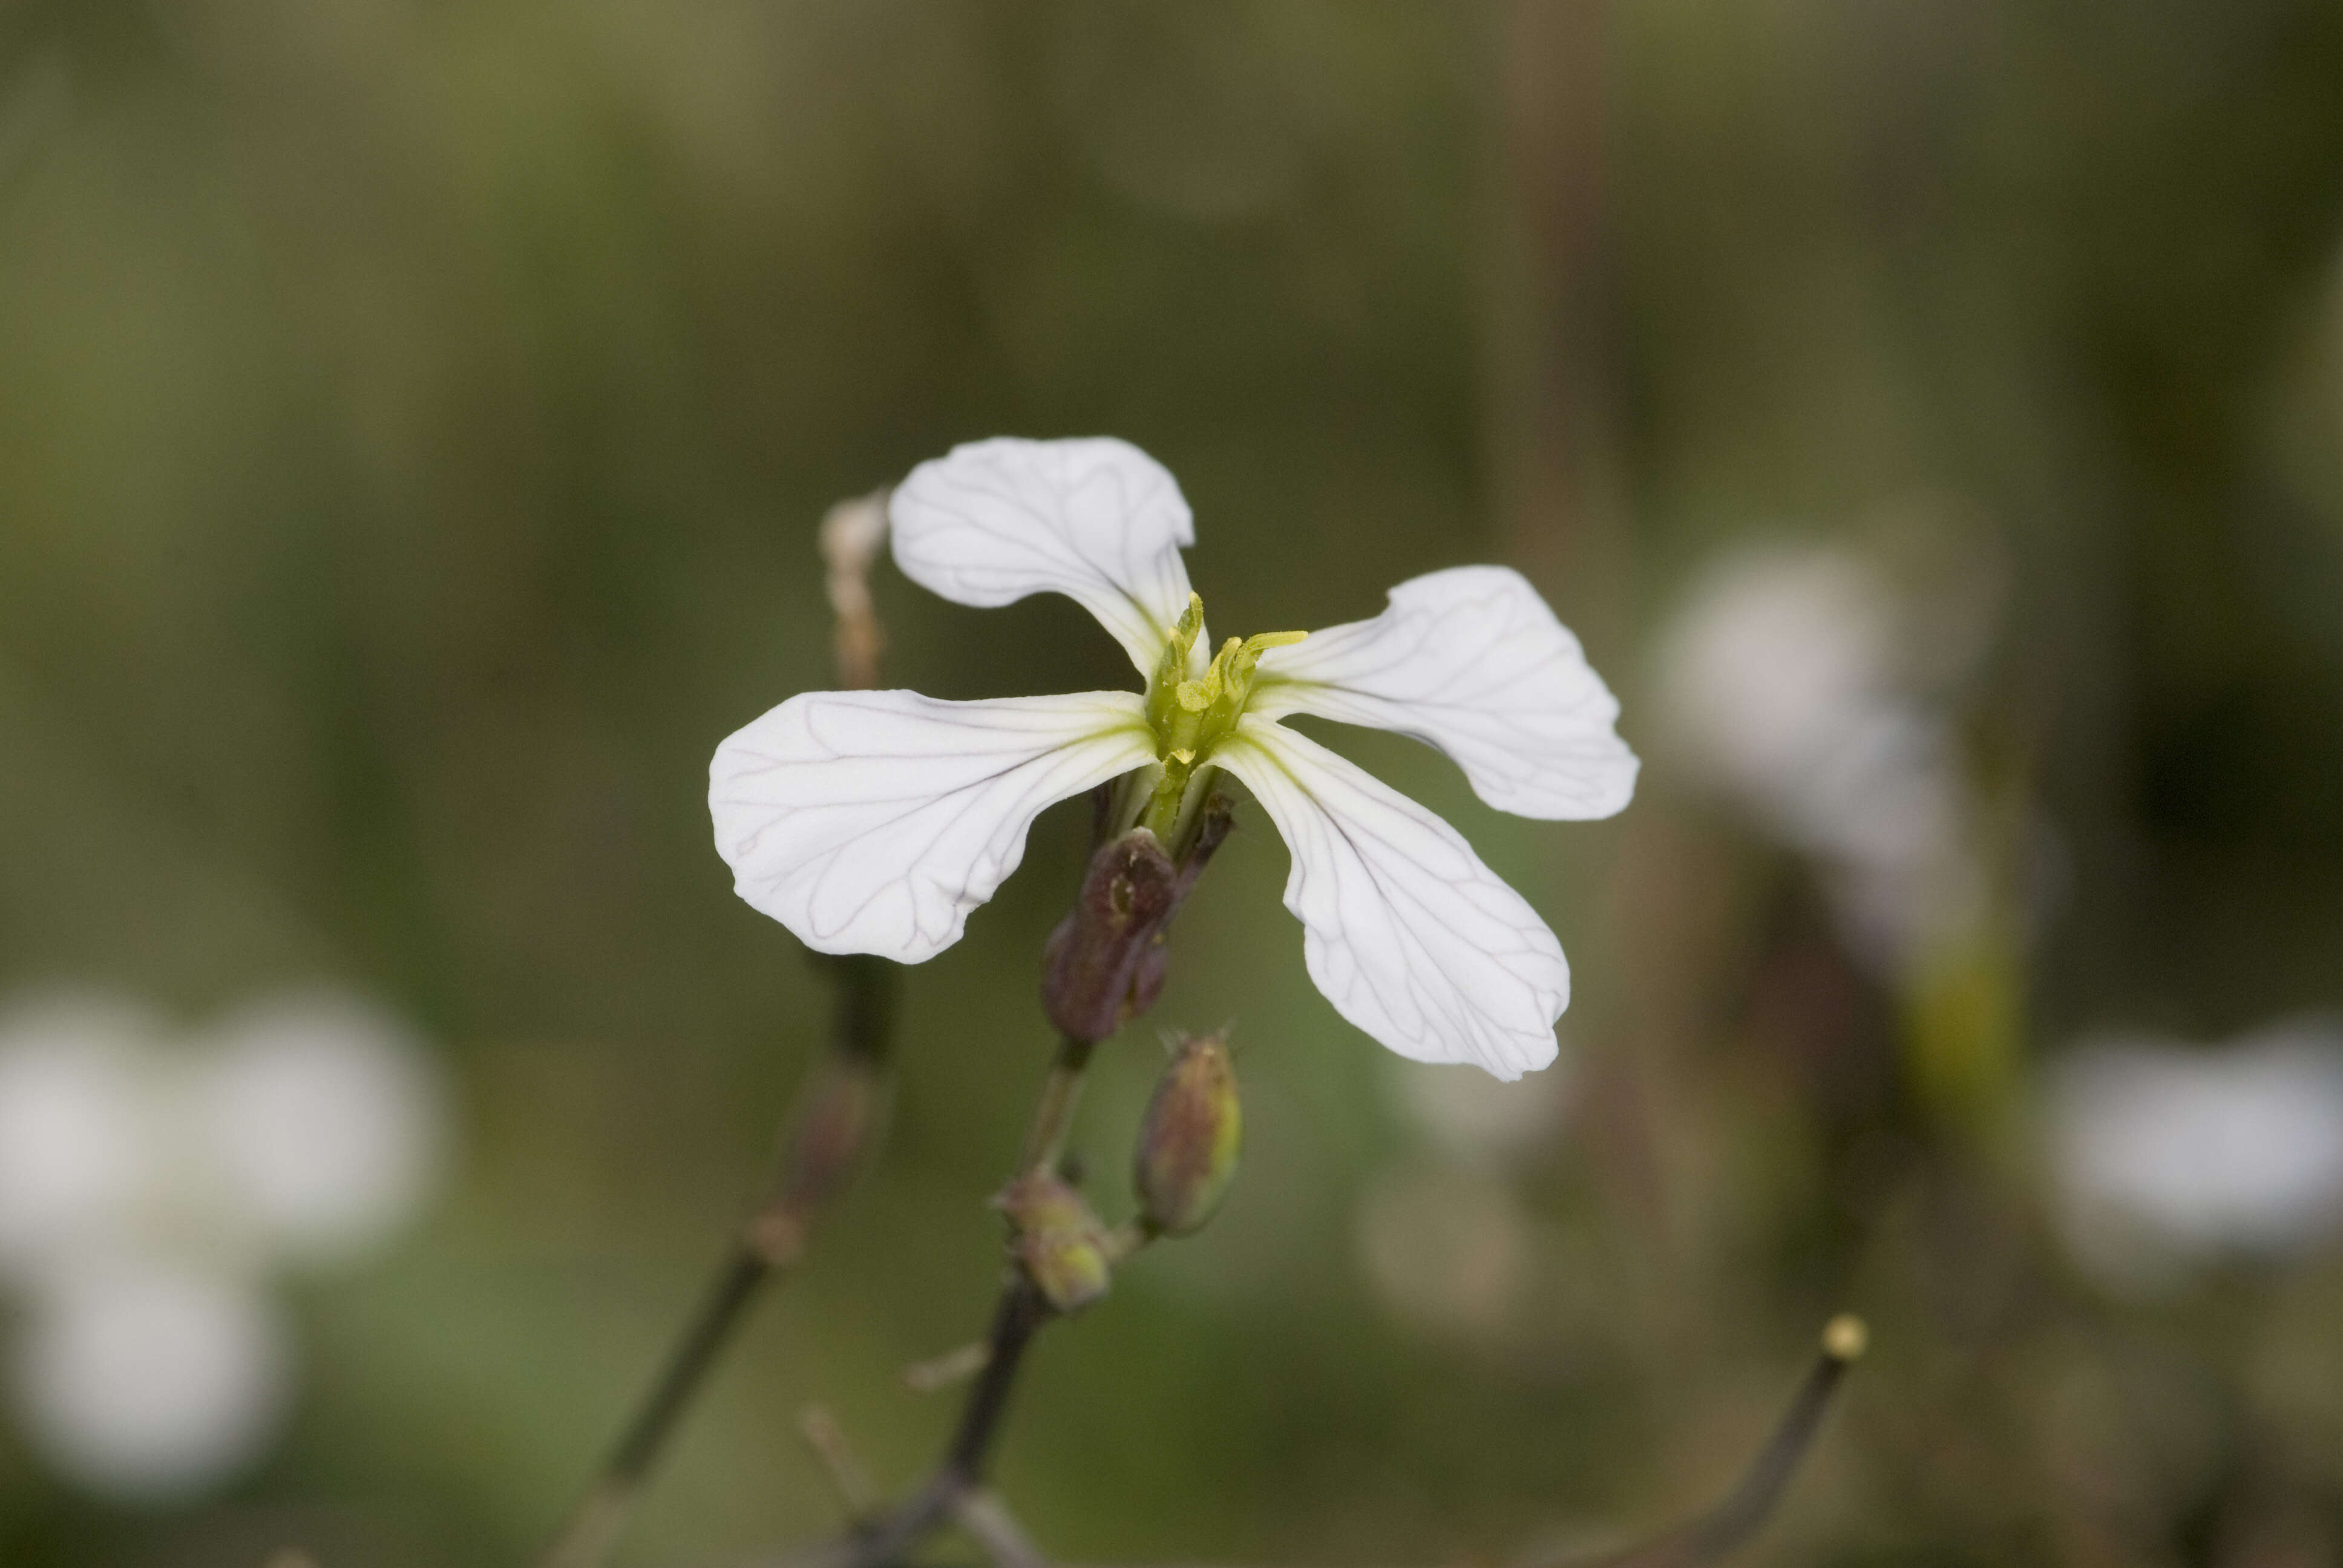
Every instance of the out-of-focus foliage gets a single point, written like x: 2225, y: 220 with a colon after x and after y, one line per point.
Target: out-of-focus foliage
x: 414, y: 422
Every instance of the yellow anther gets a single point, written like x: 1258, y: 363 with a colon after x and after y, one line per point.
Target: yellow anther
x: 1194, y: 695
x: 1183, y: 755
x: 1179, y: 642
x: 1257, y: 646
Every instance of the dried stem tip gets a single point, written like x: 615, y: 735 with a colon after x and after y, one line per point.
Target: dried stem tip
x: 1725, y: 1528
x: 1189, y: 1141
x: 828, y: 1440
x: 851, y: 534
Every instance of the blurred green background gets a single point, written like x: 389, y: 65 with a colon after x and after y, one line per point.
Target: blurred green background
x: 414, y: 421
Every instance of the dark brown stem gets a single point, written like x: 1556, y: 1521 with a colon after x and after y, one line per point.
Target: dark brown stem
x: 1019, y: 1316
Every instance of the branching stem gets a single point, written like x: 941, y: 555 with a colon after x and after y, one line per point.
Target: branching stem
x: 835, y: 1120
x: 955, y: 1486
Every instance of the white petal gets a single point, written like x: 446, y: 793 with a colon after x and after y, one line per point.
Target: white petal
x: 1472, y: 662
x: 1409, y: 935
x: 1098, y: 520
x: 873, y: 821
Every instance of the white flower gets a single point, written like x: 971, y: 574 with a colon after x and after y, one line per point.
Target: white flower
x: 325, y: 1121
x: 874, y: 821
x: 147, y: 1184
x: 80, y: 1145
x: 1782, y: 683
x: 2164, y: 1154
x: 303, y: 1129
x: 145, y: 1379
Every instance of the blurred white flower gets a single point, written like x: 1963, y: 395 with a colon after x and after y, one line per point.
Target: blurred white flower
x: 79, y: 1146
x: 1783, y: 684
x: 1776, y: 664
x: 325, y: 1120
x: 147, y: 1184
x: 146, y: 1379
x: 2166, y: 1155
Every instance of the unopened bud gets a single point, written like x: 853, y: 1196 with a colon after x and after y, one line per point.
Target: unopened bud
x: 1105, y: 962
x: 1056, y: 1240
x: 1189, y: 1140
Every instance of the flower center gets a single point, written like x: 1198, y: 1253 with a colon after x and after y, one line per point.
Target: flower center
x: 1191, y: 716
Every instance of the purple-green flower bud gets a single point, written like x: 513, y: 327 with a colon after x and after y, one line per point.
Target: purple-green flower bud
x: 1105, y: 962
x: 1056, y: 1241
x: 1188, y: 1143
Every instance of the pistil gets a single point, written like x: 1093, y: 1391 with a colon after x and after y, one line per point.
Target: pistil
x: 1191, y: 716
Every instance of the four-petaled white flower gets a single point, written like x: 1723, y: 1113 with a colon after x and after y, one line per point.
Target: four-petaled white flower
x: 874, y: 821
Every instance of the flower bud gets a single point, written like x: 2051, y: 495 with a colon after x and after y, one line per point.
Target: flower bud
x: 1056, y: 1241
x: 1188, y: 1143
x: 1105, y: 962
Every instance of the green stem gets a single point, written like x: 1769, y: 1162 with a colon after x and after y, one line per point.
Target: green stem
x: 1181, y: 844
x: 1162, y: 816
x: 1053, y: 1117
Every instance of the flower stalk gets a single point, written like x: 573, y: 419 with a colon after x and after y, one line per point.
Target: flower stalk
x: 827, y: 1135
x: 1103, y: 965
x: 1053, y: 1114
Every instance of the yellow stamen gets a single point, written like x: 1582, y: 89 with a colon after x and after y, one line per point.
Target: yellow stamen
x: 1190, y: 715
